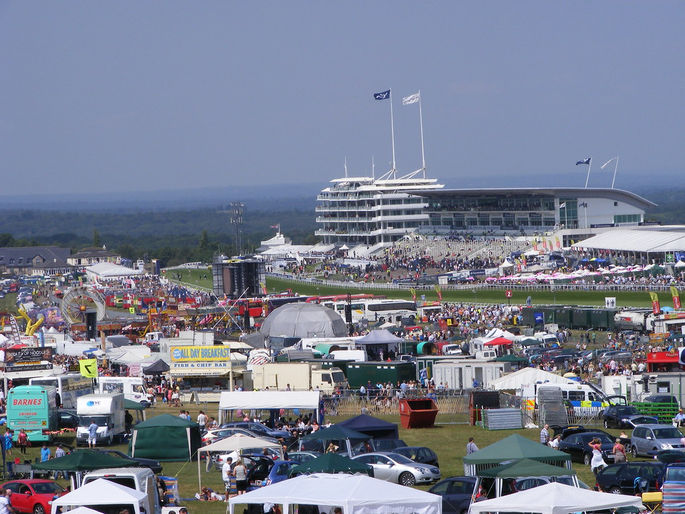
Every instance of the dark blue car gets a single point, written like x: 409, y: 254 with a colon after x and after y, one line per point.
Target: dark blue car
x: 456, y: 493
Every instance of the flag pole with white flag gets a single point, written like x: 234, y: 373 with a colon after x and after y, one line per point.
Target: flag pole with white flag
x: 412, y: 99
x: 613, y: 180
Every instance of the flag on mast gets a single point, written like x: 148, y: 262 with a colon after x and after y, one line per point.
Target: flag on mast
x: 606, y: 163
x: 411, y: 99
x: 584, y: 161
x: 383, y: 95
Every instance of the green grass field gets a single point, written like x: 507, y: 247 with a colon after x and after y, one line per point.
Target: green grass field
x: 203, y: 279
x: 633, y: 299
x: 448, y: 439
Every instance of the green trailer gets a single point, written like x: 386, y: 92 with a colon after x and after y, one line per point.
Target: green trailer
x: 361, y: 373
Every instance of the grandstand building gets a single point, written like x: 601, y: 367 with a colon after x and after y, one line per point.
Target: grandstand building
x: 529, y: 210
x: 367, y: 211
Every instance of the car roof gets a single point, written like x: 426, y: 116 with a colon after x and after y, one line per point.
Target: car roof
x: 656, y: 425
x: 30, y: 481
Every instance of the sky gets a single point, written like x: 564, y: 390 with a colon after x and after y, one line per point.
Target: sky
x: 140, y: 95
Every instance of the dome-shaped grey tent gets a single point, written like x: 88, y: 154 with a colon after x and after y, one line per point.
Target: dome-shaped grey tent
x: 298, y: 320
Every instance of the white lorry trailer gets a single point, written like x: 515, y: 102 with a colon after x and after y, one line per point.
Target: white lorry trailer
x: 297, y: 376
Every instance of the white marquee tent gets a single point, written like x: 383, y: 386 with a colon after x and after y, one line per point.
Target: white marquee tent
x: 264, y: 400
x: 555, y: 498
x: 517, y: 380
x: 356, y: 494
x: 235, y: 443
x: 109, y: 270
x: 101, y: 492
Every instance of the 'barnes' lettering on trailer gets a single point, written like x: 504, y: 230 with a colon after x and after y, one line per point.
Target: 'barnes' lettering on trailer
x: 27, y: 401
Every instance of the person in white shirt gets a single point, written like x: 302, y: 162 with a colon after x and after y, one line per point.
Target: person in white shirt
x: 226, y: 474
x: 5, y: 504
x: 202, y: 420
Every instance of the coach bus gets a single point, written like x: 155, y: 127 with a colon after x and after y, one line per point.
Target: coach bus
x: 69, y: 387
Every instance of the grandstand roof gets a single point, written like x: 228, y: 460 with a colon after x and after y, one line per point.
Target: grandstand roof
x: 652, y: 241
x: 616, y: 194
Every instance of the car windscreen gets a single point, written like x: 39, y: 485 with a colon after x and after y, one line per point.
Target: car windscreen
x: 400, y: 459
x: 667, y: 433
x: 100, y: 421
x: 626, y: 410
x: 47, y: 488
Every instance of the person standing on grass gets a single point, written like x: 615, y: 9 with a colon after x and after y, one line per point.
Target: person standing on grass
x: 544, y: 435
x: 470, y: 448
x: 22, y: 441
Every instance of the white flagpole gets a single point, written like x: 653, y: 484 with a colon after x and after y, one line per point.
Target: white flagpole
x: 346, y: 166
x: 423, y: 155
x: 392, y: 133
x: 373, y: 168
x: 587, y: 179
x: 615, y: 168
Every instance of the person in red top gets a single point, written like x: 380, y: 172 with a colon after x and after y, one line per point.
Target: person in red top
x: 22, y: 441
x: 619, y: 451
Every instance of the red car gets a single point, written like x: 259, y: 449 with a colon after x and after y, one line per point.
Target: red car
x: 33, y: 496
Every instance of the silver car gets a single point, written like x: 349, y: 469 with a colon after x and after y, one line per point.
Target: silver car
x: 649, y: 440
x: 394, y: 467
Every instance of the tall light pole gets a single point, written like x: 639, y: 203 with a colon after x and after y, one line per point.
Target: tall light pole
x: 236, y: 210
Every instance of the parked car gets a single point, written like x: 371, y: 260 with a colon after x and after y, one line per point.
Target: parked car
x: 387, y: 445
x: 267, y: 471
x: 34, y: 496
x: 661, y: 398
x: 456, y: 493
x: 620, y: 478
x: 153, y: 464
x: 216, y: 434
x: 302, y: 457
x: 523, y: 483
x: 649, y: 440
x: 397, y: 468
x: 421, y: 454
x: 625, y: 416
x: 68, y: 419
x: 575, y: 443
x: 260, y: 430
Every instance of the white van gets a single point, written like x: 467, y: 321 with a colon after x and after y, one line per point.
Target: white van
x: 106, y: 411
x: 580, y: 395
x: 133, y: 388
x: 141, y: 479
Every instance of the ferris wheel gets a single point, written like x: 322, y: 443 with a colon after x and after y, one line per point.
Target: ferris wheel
x: 78, y: 300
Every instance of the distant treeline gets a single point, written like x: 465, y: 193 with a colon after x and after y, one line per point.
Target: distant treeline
x: 173, y: 236
x: 196, y: 235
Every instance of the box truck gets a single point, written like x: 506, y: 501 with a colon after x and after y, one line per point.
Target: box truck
x: 106, y: 411
x: 297, y: 376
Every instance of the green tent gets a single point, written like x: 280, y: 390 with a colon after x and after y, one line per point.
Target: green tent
x: 514, y: 447
x: 529, y: 342
x: 84, y: 460
x: 511, y: 358
x: 526, y: 468
x: 331, y: 463
x: 165, y: 438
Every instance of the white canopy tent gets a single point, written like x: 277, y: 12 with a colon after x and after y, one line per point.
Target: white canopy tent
x: 235, y: 443
x: 355, y: 494
x: 265, y: 400
x: 103, y: 270
x: 555, y: 498
x: 526, y: 377
x: 101, y: 492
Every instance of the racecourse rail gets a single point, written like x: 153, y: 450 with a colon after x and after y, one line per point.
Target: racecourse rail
x: 476, y: 285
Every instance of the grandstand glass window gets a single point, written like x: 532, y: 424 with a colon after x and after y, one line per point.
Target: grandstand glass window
x: 508, y: 218
x: 459, y: 220
x: 472, y: 222
x: 535, y: 219
x: 549, y: 222
x: 483, y: 219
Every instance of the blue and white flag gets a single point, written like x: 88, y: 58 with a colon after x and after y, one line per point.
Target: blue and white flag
x: 383, y: 95
x: 584, y: 161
